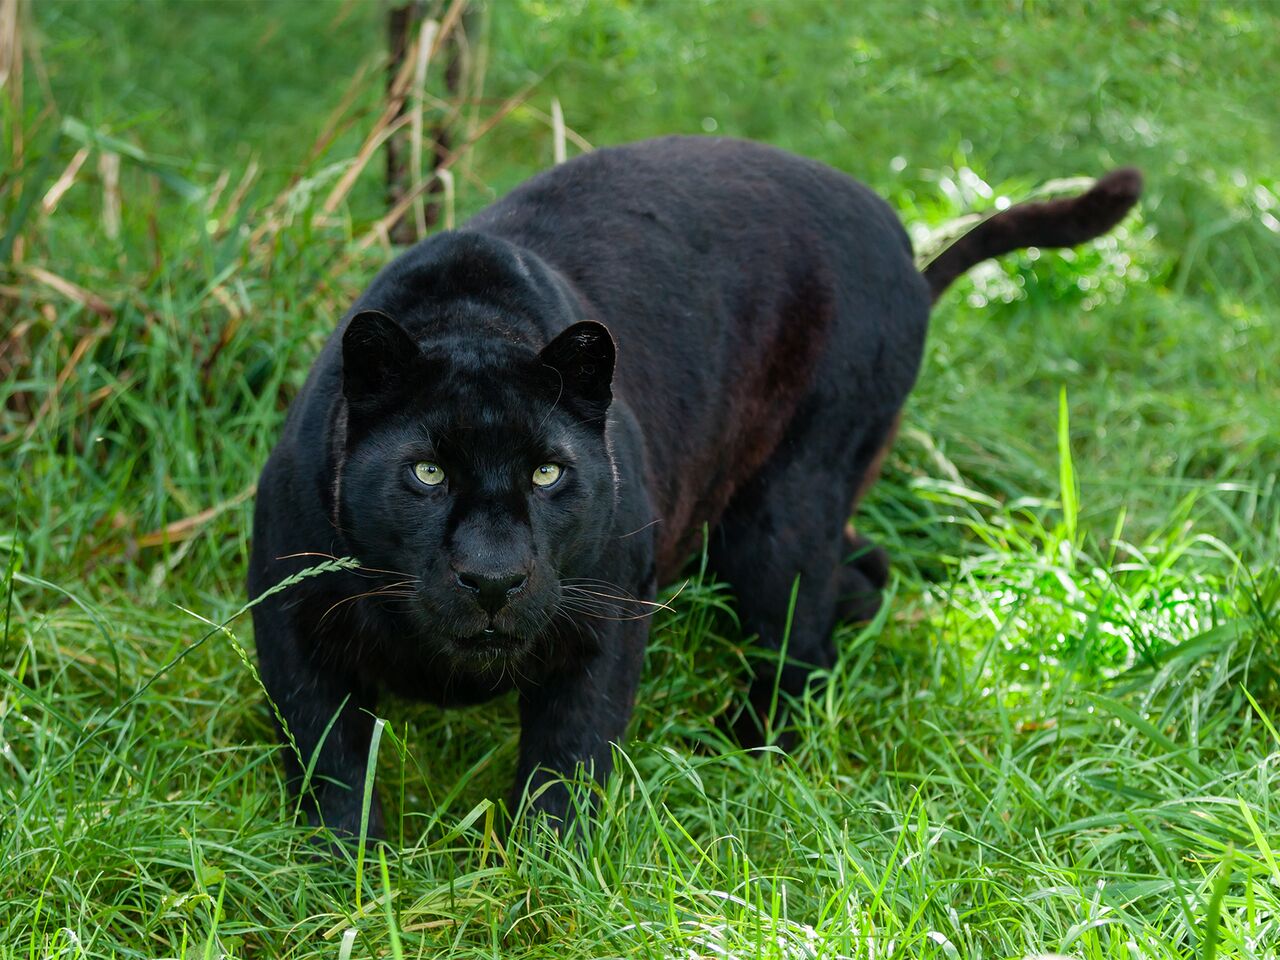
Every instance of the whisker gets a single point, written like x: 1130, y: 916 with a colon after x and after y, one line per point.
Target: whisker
x: 676, y: 596
x: 593, y: 610
x: 600, y: 612
x: 387, y: 591
x: 575, y: 581
x: 660, y: 605
x: 651, y: 523
x: 597, y: 582
x: 583, y: 596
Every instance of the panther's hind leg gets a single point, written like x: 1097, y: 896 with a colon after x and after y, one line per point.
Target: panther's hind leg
x: 866, y: 563
x: 862, y: 578
x: 781, y: 546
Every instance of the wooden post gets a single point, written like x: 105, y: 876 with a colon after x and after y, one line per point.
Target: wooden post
x: 404, y: 26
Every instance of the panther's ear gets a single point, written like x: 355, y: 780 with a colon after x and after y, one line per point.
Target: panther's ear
x: 582, y: 360
x: 377, y: 358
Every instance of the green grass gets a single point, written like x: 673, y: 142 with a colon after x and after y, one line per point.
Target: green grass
x: 1060, y: 737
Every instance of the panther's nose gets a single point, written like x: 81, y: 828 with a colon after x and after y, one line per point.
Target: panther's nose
x: 491, y: 590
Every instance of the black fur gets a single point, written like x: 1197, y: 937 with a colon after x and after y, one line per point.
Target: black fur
x: 765, y: 323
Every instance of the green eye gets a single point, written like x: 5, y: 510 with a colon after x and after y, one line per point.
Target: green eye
x: 546, y: 475
x: 429, y: 473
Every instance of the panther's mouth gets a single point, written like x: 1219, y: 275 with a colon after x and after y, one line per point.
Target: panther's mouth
x: 488, y: 646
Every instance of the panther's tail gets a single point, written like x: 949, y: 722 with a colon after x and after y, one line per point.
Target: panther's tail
x: 1054, y: 223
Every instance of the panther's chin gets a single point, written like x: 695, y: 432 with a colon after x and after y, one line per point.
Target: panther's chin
x: 488, y: 647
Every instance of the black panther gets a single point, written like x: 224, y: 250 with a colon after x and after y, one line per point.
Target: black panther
x: 523, y: 428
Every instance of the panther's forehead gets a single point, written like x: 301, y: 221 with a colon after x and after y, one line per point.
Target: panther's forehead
x: 495, y: 402
x: 482, y: 349
x: 490, y: 416
x: 488, y: 386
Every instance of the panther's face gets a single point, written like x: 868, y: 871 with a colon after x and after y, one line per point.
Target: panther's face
x: 476, y: 471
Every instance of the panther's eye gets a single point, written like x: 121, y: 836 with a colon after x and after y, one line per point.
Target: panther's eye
x: 547, y: 475
x: 428, y: 473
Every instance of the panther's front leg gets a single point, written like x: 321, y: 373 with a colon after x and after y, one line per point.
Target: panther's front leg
x: 571, y: 720
x: 329, y: 716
